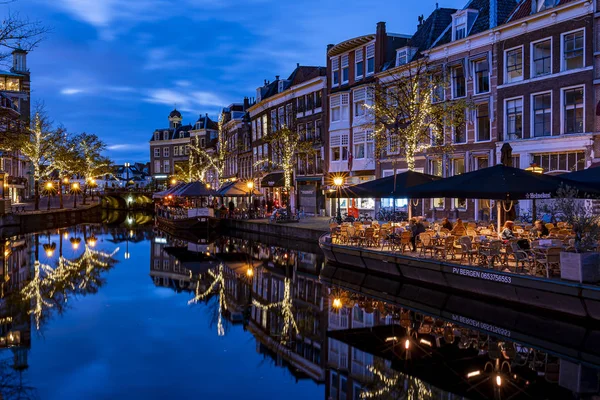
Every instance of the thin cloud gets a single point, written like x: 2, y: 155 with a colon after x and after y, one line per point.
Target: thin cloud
x: 123, y: 147
x: 71, y: 91
x: 191, y: 101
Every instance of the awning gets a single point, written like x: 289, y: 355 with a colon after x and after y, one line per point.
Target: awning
x: 309, y: 179
x: 193, y: 189
x: 590, y: 176
x: 388, y: 187
x: 500, y: 183
x: 274, y: 179
x: 236, y: 189
x: 165, y: 193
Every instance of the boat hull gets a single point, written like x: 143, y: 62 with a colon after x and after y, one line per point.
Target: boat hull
x: 194, y: 223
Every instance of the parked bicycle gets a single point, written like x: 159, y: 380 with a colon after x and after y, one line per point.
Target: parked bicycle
x: 388, y: 215
x: 365, y: 217
x: 345, y: 218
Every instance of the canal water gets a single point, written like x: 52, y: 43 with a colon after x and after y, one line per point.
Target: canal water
x: 123, y: 310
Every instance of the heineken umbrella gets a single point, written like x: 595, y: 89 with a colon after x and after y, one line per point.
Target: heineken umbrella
x: 589, y: 176
x: 388, y: 187
x: 500, y: 183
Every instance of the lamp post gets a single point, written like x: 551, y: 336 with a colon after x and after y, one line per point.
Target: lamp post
x: 536, y: 169
x: 338, y: 181
x: 250, y: 186
x: 74, y: 190
x: 49, y: 187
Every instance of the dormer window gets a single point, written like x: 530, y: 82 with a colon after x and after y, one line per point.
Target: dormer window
x: 545, y: 4
x: 156, y: 135
x: 280, y: 86
x: 258, y: 95
x: 460, y: 27
x: 462, y: 21
x: 404, y: 55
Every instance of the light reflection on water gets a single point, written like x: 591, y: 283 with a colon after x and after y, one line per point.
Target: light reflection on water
x: 122, y: 311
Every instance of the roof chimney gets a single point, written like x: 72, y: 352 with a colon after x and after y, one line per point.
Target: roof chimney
x: 266, y: 82
x: 329, y: 46
x: 276, y: 77
x: 246, y: 103
x: 297, y: 65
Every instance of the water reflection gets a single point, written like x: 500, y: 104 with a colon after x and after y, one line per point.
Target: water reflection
x: 334, y: 341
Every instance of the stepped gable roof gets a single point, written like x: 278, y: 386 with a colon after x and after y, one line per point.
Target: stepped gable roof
x: 523, y: 9
x: 484, y: 20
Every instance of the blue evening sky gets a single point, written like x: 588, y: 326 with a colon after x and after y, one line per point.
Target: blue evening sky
x: 117, y: 67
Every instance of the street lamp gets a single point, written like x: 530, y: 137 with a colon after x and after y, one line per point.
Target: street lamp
x: 173, y: 181
x: 49, y: 187
x: 250, y: 186
x: 338, y: 181
x: 74, y: 190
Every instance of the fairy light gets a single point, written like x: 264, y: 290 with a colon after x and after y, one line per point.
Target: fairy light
x: 33, y: 291
x: 218, y: 280
x: 286, y: 307
x: 414, y: 388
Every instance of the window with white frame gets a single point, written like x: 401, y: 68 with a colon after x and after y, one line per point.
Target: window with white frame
x: 360, y: 98
x: 310, y: 101
x: 175, y: 151
x: 572, y: 50
x: 345, y: 106
x: 289, y: 118
x: 338, y: 145
x: 157, y: 166
x: 513, y: 61
x: 370, y: 59
x: 281, y: 117
x: 458, y: 82
x: 567, y: 161
x: 542, y: 114
x: 460, y: 27
x: 483, y: 122
x: 482, y: 76
x: 318, y: 99
x: 335, y: 71
x: 336, y: 108
x: 273, y: 121
x: 157, y: 152
x: 254, y: 129
x: 435, y: 167
x: 166, y: 166
x: 165, y: 152
x: 514, y: 118
x: 300, y: 105
x: 263, y: 131
x: 436, y: 134
x: 460, y: 132
x: 345, y: 69
x: 156, y: 135
x: 573, y: 110
x: 364, y: 146
x: 438, y: 89
x: 457, y: 167
x: 359, y: 64
x: 402, y: 56
x: 541, y: 58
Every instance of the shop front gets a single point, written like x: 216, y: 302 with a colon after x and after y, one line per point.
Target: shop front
x: 273, y: 188
x: 310, y: 195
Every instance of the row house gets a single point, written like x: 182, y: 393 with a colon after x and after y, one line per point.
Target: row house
x: 296, y: 103
x: 527, y: 77
x: 170, y: 146
x: 351, y: 69
x: 237, y: 139
x: 15, y: 109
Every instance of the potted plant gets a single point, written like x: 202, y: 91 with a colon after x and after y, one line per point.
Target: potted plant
x: 580, y: 261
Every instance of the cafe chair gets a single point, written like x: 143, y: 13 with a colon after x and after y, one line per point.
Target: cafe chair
x: 405, y: 241
x: 426, y: 244
x: 466, y: 249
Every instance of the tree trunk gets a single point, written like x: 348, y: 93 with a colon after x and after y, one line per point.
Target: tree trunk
x: 36, y: 194
x: 60, y: 195
x: 84, y: 195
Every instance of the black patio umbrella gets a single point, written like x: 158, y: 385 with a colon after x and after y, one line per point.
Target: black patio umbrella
x: 500, y: 183
x: 589, y: 176
x: 388, y: 187
x: 194, y: 189
x: 237, y: 189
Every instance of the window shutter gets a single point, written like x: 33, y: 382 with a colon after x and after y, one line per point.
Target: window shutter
x: 344, y: 60
x: 335, y: 101
x: 335, y: 63
x: 335, y: 141
x: 360, y: 94
x: 358, y: 55
x: 371, y: 50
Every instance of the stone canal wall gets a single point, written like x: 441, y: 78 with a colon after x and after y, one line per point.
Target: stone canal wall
x: 11, y: 224
x: 295, y: 231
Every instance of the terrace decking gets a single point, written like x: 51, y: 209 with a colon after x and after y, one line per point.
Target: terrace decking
x: 504, y: 282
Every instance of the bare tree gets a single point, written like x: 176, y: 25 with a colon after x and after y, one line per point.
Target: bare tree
x: 409, y: 114
x: 207, y: 158
x: 17, y: 32
x: 92, y: 164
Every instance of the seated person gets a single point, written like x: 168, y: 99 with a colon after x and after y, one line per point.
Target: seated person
x: 539, y: 229
x: 507, y: 231
x: 447, y: 224
x: 459, y: 229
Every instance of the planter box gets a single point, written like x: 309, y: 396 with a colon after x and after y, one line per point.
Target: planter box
x: 580, y: 267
